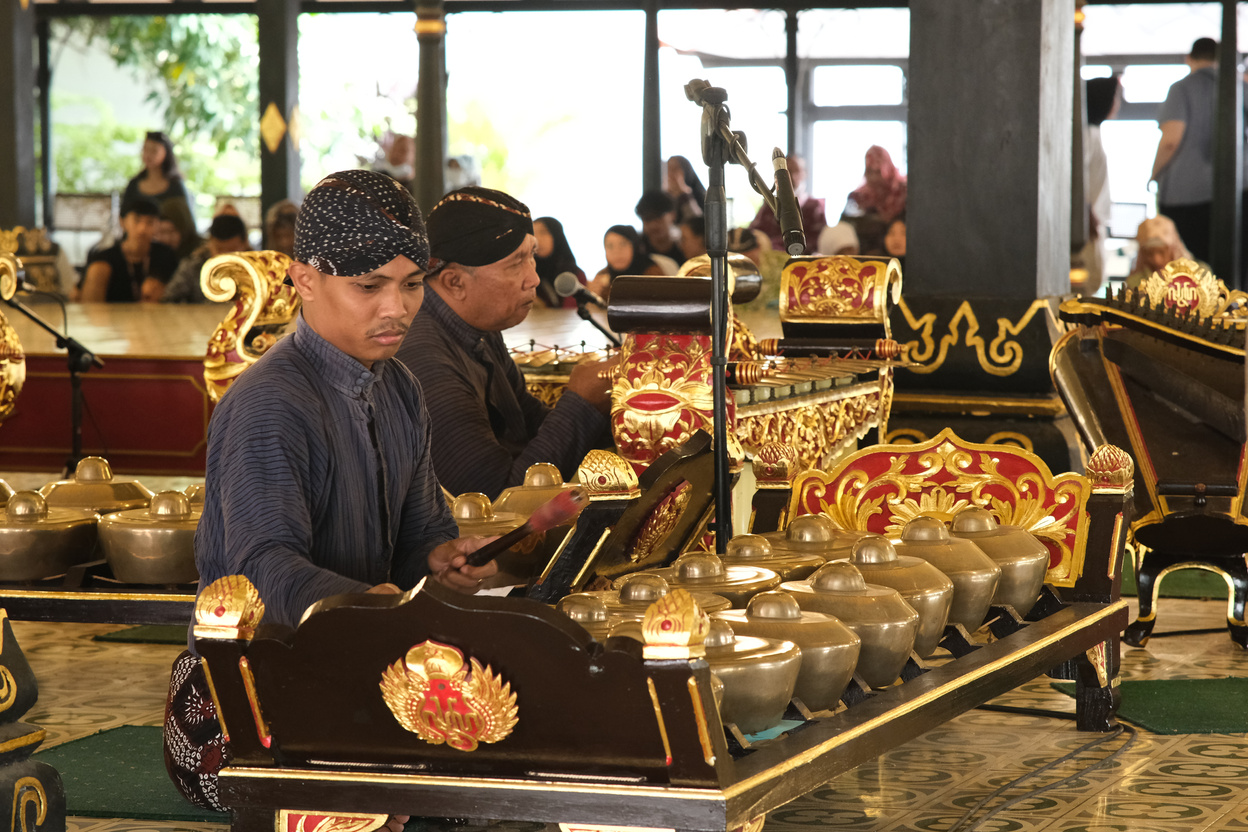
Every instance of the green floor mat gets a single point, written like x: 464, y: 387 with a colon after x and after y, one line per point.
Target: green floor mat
x: 1184, y: 583
x: 147, y: 634
x: 120, y: 773
x: 1182, y: 706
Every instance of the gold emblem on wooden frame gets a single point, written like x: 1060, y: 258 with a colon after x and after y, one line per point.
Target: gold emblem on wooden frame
x: 1187, y: 286
x: 230, y: 608
x: 675, y: 627
x: 263, y: 307
x: 434, y: 694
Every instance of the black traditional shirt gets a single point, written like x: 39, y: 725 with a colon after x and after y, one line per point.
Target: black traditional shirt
x: 487, y: 428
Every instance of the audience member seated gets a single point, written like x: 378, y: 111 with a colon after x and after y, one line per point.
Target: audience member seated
x: 133, y: 269
x: 756, y: 245
x: 838, y: 239
x: 626, y: 254
x: 879, y: 200
x: 554, y: 257
x: 167, y: 231
x: 1159, y: 244
x: 813, y: 217
x: 685, y: 188
x: 279, y: 227
x: 161, y: 180
x: 226, y: 235
x: 658, y: 225
x: 487, y: 428
x: 693, y: 237
x: 895, y: 239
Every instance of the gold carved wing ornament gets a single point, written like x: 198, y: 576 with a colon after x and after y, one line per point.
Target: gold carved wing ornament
x: 435, y: 695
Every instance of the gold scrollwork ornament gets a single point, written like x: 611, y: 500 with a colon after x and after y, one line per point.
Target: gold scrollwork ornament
x: 263, y: 307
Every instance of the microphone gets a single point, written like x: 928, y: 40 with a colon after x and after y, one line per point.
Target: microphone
x: 568, y: 286
x: 787, y: 211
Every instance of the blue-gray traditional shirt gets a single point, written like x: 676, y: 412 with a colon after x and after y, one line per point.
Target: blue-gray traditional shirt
x: 319, y: 478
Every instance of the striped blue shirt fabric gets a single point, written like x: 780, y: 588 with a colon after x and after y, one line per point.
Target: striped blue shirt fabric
x: 319, y: 478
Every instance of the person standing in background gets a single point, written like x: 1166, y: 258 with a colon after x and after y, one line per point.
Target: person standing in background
x: 161, y: 181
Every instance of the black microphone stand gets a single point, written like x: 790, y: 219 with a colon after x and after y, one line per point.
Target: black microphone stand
x: 80, y: 360
x: 720, y: 144
x: 582, y: 309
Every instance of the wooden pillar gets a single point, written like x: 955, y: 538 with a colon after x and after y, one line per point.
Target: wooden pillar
x: 990, y: 149
x: 17, y: 112
x: 1079, y: 199
x: 279, y: 101
x: 1226, y: 246
x: 431, y: 142
x: 651, y: 141
x: 44, y: 83
x: 792, y: 83
x: 988, y: 222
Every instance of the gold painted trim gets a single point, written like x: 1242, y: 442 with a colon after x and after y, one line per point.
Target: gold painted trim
x: 1230, y: 588
x: 491, y: 784
x: 993, y: 359
x: 1078, y: 307
x: 1139, y: 452
x: 4, y: 616
x: 811, y: 754
x: 94, y: 596
x: 249, y: 684
x: 593, y: 555
x: 699, y: 714
x: 1114, y: 544
x: 33, y: 738
x: 1052, y: 406
x: 212, y: 691
x: 658, y: 717
x: 28, y: 790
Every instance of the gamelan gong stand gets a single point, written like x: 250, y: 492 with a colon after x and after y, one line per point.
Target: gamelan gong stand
x: 80, y: 359
x: 719, y: 146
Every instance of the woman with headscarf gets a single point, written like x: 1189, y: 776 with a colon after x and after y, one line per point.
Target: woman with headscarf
x: 626, y: 254
x: 554, y: 257
x: 879, y: 200
x: 1159, y: 244
x: 161, y: 181
x: 685, y: 189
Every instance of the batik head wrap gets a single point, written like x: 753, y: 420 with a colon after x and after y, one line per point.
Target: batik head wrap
x: 356, y: 221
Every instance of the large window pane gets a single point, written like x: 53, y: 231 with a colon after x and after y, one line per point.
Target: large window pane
x: 552, y: 111
x: 757, y: 95
x: 1150, y: 83
x: 840, y: 86
x: 839, y: 151
x: 1151, y: 28
x: 853, y: 33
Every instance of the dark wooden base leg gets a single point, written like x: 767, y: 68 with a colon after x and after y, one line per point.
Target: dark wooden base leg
x: 1097, y: 694
x: 253, y: 820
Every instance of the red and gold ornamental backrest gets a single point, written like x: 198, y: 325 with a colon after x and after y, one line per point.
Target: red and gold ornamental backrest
x: 880, y: 489
x: 839, y: 289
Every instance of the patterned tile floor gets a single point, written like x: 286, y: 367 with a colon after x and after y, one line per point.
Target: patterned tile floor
x: 1160, y: 784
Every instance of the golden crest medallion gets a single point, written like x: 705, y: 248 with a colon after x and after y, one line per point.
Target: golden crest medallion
x: 435, y: 696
